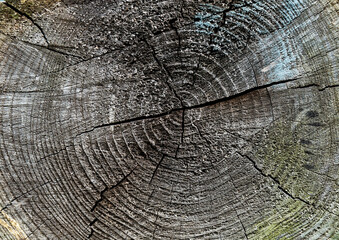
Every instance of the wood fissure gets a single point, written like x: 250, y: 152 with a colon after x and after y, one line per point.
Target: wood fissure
x: 170, y: 119
x: 207, y: 104
x: 29, y: 18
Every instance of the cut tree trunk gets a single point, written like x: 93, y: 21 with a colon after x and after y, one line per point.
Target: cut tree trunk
x: 176, y: 119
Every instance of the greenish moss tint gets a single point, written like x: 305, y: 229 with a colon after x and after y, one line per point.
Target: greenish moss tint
x: 283, y: 157
x: 7, y: 13
x: 290, y: 219
x: 336, y: 236
x: 27, y: 6
x: 280, y: 224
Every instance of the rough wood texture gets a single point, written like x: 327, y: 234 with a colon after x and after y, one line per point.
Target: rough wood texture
x: 178, y: 119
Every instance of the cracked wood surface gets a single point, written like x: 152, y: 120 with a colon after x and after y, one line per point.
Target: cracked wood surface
x: 179, y: 119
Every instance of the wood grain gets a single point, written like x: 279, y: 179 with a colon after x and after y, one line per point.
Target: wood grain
x: 178, y: 119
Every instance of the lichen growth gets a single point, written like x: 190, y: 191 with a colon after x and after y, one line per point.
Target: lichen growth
x: 283, y: 157
x: 280, y: 224
x: 13, y: 23
x: 29, y: 7
x: 293, y: 219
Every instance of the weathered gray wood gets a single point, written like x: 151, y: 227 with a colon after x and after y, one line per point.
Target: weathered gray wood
x: 169, y: 119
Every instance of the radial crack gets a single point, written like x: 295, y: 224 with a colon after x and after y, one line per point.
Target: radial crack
x: 37, y: 228
x: 90, y: 225
x: 280, y: 187
x: 235, y: 210
x: 271, y: 104
x: 201, y: 135
x: 164, y: 68
x: 274, y: 179
x: 106, y: 189
x: 242, y: 225
x: 317, y: 86
x: 329, y: 86
x: 156, y: 226
x: 253, y: 70
x: 156, y: 168
x: 307, y: 86
x: 36, y: 46
x: 83, y: 60
x: 23, y: 194
x: 100, y: 199
x: 29, y: 18
x: 198, y: 106
x: 324, y: 176
x: 182, y: 132
x: 54, y: 153
x: 91, y: 233
x: 93, y: 222
x: 131, y: 120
